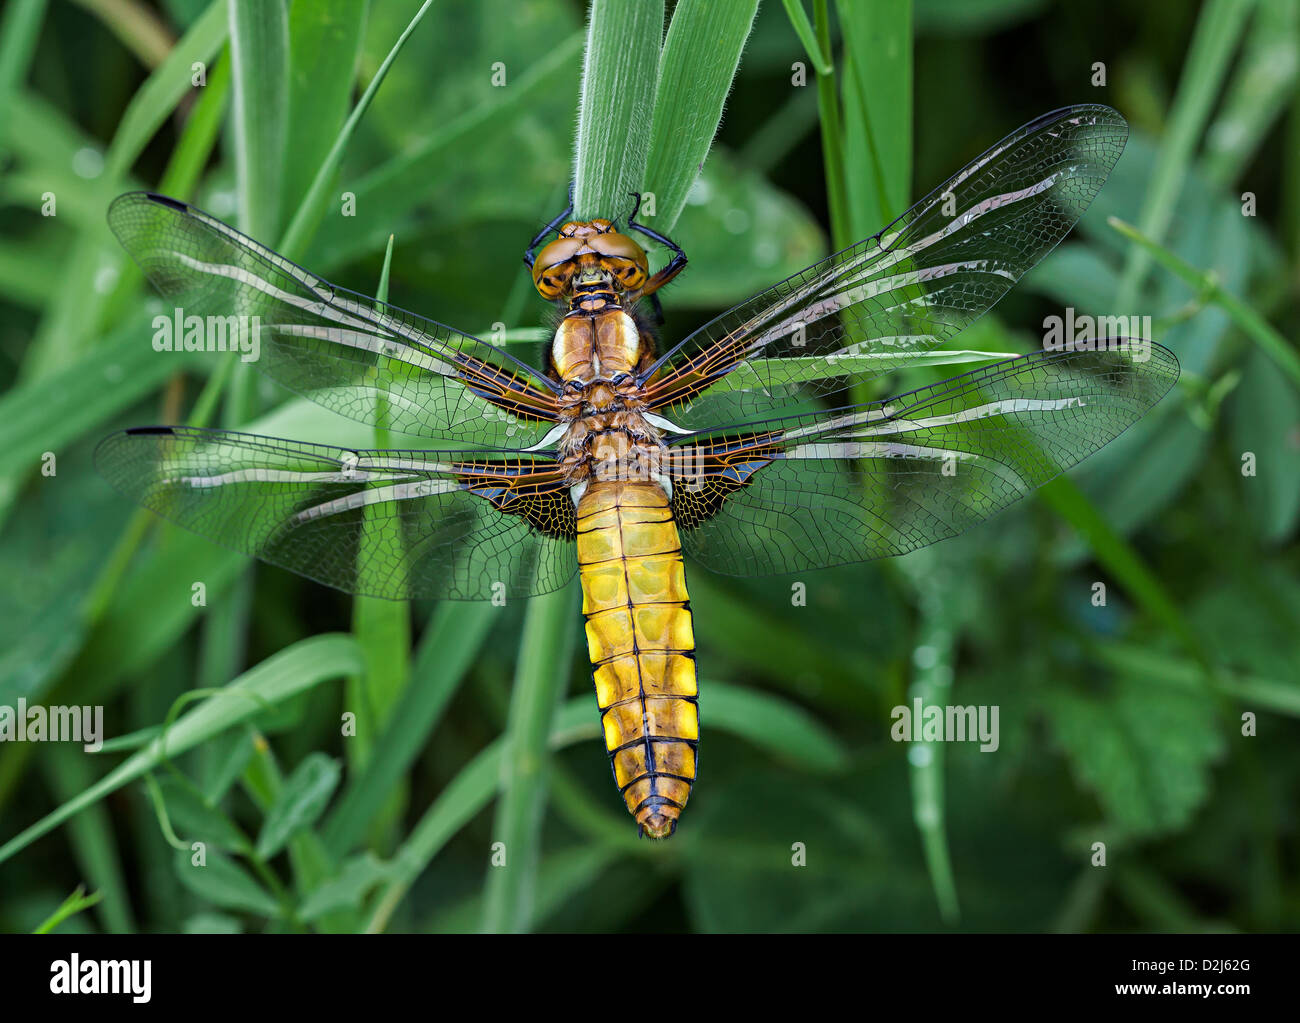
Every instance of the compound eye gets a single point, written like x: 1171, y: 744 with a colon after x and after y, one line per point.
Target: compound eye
x: 552, y: 268
x: 556, y: 252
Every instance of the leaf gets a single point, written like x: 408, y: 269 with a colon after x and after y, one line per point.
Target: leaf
x: 545, y: 663
x: 1143, y: 748
x: 1249, y: 620
x: 259, y: 51
x: 741, y: 235
x: 358, y: 877
x: 224, y: 883
x: 295, y: 669
x: 876, y: 86
x: 324, y: 43
x: 773, y: 725
x: 224, y: 759
x: 619, y: 74
x: 700, y: 56
x: 196, y: 820
x: 300, y: 802
x: 1265, y: 420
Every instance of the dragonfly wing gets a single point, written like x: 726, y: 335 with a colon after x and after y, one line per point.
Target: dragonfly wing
x: 351, y: 353
x: 923, y: 279
x: 465, y: 525
x: 874, y: 480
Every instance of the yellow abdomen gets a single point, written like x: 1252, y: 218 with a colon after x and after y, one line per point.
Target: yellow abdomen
x: 642, y: 646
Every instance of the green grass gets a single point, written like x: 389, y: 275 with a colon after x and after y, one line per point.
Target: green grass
x: 476, y: 724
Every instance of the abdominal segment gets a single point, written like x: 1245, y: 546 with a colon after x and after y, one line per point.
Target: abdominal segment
x: 642, y: 646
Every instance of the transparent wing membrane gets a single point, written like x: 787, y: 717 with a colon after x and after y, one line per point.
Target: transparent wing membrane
x: 917, y: 284
x: 394, y: 524
x: 870, y: 481
x: 348, y: 352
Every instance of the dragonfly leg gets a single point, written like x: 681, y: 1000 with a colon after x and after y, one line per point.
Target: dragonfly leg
x: 658, y: 309
x: 675, y: 265
x: 530, y: 253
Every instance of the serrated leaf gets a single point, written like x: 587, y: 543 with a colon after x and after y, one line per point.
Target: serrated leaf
x: 1142, y: 748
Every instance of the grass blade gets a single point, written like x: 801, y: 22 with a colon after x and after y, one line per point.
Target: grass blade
x: 934, y: 650
x: 158, y: 97
x: 295, y: 670
x: 700, y: 57
x: 877, y: 94
x: 828, y: 105
x: 450, y: 645
x: 324, y: 45
x: 472, y: 789
x: 20, y: 31
x: 1264, y: 83
x: 47, y: 414
x: 382, y: 627
x: 545, y: 660
x: 73, y: 904
x: 259, y: 55
x: 1207, y: 287
x: 312, y: 207
x: 1218, y: 28
x: 619, y: 75
x: 93, y: 841
x: 773, y: 725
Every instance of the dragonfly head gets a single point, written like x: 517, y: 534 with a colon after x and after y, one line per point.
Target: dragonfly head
x: 589, y: 254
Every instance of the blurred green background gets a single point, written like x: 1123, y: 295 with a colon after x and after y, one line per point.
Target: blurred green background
x: 1120, y: 723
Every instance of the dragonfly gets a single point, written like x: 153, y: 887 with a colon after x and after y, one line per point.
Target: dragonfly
x: 741, y: 445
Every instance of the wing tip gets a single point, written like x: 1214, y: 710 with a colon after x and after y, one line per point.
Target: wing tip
x: 167, y: 200
x: 147, y: 431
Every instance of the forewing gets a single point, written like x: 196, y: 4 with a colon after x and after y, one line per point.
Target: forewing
x: 926, y: 277
x: 465, y: 525
x: 875, y: 480
x: 353, y: 354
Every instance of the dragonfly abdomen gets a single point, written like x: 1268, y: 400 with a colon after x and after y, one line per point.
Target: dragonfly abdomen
x: 642, y: 646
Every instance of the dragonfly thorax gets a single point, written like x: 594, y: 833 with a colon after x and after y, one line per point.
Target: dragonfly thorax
x: 597, y: 346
